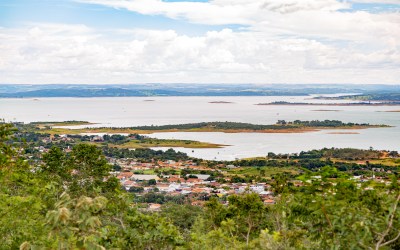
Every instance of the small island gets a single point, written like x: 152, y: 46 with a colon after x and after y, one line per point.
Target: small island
x: 327, y: 110
x: 391, y: 111
x: 343, y: 133
x: 220, y: 102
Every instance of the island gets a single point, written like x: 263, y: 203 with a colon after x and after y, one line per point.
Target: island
x: 220, y: 102
x: 281, y: 126
x: 391, y: 111
x: 327, y: 110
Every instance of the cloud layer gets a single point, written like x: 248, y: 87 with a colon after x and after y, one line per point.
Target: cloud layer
x: 287, y: 41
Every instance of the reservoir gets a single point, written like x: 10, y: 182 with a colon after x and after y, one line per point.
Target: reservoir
x: 134, y: 111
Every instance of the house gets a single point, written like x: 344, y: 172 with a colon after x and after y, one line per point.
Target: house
x: 128, y: 184
x: 265, y: 193
x: 122, y: 176
x: 257, y: 188
x: 198, y: 203
x: 174, y: 187
x: 163, y: 187
x: 269, y: 202
x: 175, y: 179
x: 200, y: 176
x: 193, y: 180
x: 154, y: 207
x: 97, y: 138
x: 144, y: 177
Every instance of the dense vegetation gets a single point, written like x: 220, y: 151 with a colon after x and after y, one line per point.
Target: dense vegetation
x: 69, y: 201
x: 145, y: 154
x: 73, y: 122
x: 281, y: 124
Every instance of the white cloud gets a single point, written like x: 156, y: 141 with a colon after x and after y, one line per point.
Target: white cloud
x: 284, y: 41
x: 217, y: 12
x: 78, y: 54
x: 316, y: 19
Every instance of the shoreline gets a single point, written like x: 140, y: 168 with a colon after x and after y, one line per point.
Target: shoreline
x: 159, y: 143
x: 329, y: 104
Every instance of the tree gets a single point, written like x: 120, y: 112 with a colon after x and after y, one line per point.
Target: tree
x: 76, y: 223
x: 280, y: 183
x: 248, y: 212
x: 152, y: 182
x: 84, y: 171
x: 182, y: 216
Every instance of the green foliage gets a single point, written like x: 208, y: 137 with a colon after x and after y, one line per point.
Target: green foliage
x: 6, y: 151
x: 235, y: 225
x: 76, y: 223
x: 70, y: 202
x: 82, y: 172
x: 144, y: 154
x: 160, y: 198
x: 37, y: 213
x: 182, y: 216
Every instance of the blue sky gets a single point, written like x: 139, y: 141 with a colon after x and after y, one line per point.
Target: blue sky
x: 15, y: 13
x: 260, y: 41
x: 19, y: 12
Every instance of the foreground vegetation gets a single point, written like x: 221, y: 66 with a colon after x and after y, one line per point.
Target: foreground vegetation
x: 68, y: 200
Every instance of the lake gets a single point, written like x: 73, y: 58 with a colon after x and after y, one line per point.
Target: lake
x: 133, y: 111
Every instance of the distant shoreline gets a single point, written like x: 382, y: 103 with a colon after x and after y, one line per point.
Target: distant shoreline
x: 328, y: 104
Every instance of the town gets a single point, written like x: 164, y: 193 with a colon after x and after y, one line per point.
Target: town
x: 155, y: 177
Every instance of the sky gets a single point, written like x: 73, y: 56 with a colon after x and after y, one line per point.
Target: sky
x: 199, y: 41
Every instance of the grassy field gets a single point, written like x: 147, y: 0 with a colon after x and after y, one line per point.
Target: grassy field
x: 268, y: 171
x: 384, y: 161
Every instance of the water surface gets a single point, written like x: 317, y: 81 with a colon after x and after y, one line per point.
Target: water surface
x: 134, y: 111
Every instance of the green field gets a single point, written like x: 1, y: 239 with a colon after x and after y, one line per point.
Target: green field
x: 262, y: 171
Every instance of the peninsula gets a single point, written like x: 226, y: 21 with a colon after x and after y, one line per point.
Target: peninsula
x: 369, y: 103
x: 281, y: 126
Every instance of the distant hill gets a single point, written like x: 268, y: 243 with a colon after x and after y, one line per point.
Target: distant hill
x: 120, y: 90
